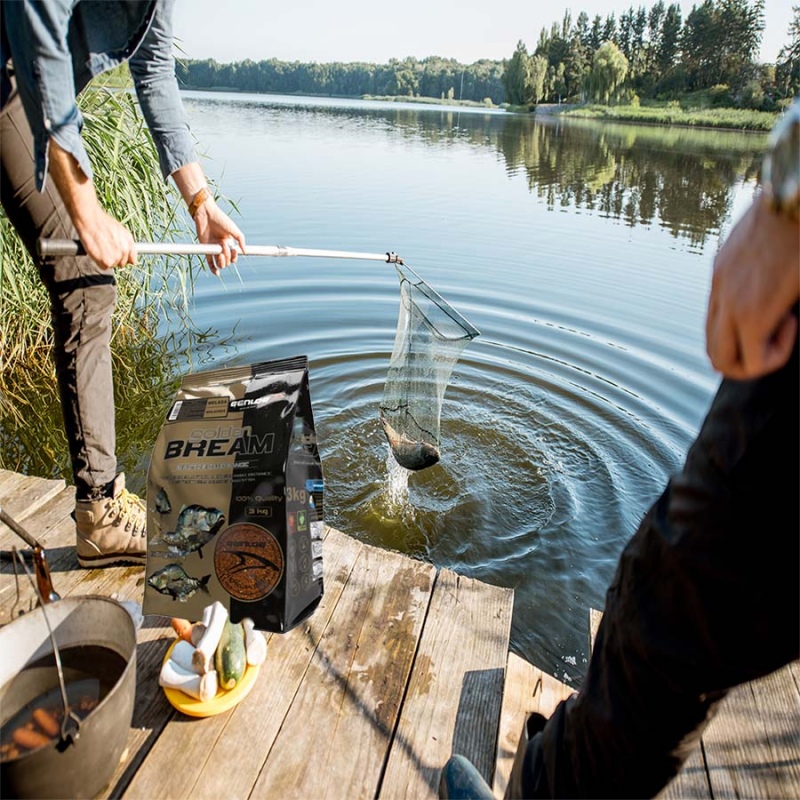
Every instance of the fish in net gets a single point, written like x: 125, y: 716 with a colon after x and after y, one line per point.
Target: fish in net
x: 430, y: 337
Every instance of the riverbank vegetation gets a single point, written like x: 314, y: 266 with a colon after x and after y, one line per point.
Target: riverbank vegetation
x: 656, y: 55
x: 678, y: 113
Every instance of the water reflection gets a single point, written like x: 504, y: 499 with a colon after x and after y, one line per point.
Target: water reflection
x: 681, y: 179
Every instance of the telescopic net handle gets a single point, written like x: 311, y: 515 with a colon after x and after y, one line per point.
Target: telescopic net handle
x: 59, y: 248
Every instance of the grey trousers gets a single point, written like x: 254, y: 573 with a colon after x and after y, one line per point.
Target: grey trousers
x: 706, y: 596
x: 82, y: 298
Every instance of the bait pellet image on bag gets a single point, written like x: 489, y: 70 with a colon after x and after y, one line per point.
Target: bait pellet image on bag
x: 234, y: 498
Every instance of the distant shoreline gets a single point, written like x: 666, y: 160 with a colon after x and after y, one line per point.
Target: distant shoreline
x: 663, y: 114
x: 382, y: 98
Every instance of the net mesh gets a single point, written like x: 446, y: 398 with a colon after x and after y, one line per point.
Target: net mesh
x: 430, y: 337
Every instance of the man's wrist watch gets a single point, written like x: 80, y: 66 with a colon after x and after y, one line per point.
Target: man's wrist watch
x: 781, y: 169
x: 198, y: 200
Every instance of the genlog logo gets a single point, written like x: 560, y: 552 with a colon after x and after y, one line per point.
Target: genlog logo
x: 248, y: 561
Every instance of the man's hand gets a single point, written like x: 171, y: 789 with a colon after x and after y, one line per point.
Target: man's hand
x: 750, y: 326
x: 214, y: 226
x: 106, y: 241
x: 212, y: 223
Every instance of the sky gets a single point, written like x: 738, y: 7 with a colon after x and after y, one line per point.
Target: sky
x: 375, y: 32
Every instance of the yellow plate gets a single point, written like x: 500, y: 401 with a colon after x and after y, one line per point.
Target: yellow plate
x: 221, y: 702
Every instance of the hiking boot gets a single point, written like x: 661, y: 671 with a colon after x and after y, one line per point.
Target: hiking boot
x: 112, y: 530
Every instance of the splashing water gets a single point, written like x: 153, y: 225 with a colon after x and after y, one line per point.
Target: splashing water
x: 396, y: 485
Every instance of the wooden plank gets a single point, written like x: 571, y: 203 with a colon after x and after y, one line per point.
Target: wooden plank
x: 255, y: 725
x: 256, y: 721
x: 336, y: 736
x: 455, y: 694
x: 9, y: 482
x: 691, y: 783
x: 42, y: 521
x: 778, y: 699
x: 64, y: 570
x: 22, y: 497
x: 735, y: 749
x: 55, y: 530
x: 752, y: 745
x: 527, y: 690
x: 151, y: 711
x: 53, y: 526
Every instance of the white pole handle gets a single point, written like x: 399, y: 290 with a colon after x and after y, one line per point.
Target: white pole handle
x: 58, y: 248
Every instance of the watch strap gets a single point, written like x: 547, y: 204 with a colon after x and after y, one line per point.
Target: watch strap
x: 198, y: 201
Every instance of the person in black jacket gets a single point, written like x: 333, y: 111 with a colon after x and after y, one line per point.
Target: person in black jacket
x: 706, y: 594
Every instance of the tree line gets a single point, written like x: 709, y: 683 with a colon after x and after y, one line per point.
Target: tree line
x: 655, y: 54
x: 645, y: 54
x: 428, y: 77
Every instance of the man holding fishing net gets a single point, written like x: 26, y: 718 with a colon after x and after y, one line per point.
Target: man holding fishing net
x: 49, y: 51
x: 705, y: 595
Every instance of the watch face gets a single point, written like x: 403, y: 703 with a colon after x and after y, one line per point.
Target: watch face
x: 782, y: 164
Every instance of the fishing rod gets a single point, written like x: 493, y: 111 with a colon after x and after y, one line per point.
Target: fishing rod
x: 59, y: 248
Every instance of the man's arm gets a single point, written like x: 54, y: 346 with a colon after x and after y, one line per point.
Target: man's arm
x: 153, y: 71
x: 105, y: 240
x: 37, y: 37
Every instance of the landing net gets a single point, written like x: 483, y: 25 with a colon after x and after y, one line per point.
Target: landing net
x: 430, y: 337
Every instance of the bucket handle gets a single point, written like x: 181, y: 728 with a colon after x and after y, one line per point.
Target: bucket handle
x: 68, y: 736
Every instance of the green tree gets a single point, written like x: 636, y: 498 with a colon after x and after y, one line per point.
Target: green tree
x: 517, y: 75
x: 720, y: 42
x: 787, y: 66
x: 744, y: 26
x: 608, y: 72
x: 638, y: 43
x: 610, y: 29
x: 624, y: 36
x: 666, y: 55
x: 576, y: 68
x: 655, y: 23
x: 582, y: 28
x: 535, y: 88
x: 557, y: 83
x: 596, y: 33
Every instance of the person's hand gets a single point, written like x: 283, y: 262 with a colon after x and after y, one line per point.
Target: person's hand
x: 750, y: 326
x: 107, y: 241
x: 214, y: 226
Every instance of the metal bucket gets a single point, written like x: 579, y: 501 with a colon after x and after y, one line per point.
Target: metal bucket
x: 79, y: 766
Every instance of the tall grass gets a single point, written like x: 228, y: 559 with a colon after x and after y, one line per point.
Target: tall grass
x: 130, y: 187
x: 673, y: 114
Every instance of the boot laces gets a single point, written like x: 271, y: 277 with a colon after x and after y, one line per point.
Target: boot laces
x: 125, y: 506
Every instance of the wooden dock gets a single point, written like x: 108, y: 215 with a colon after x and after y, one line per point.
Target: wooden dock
x: 399, y: 667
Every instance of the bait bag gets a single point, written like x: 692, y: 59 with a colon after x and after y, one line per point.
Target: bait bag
x: 234, y: 498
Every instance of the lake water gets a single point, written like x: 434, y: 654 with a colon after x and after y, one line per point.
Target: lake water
x: 581, y: 251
